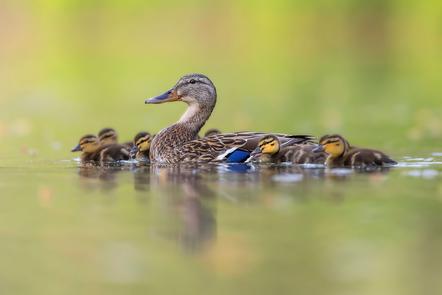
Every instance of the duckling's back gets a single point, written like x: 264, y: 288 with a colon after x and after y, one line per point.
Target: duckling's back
x: 367, y: 157
x: 114, y: 152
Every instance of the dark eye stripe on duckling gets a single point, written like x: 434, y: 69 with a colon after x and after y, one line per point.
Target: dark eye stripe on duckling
x: 330, y: 141
x: 86, y: 141
x: 141, y: 140
x: 107, y: 135
x: 265, y: 142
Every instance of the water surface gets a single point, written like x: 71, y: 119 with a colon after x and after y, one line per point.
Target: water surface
x: 220, y: 229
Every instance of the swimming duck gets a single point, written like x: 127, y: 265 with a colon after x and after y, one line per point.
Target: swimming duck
x: 342, y: 154
x: 177, y: 143
x: 108, y: 136
x: 94, y: 151
x: 270, y: 150
x: 141, y: 146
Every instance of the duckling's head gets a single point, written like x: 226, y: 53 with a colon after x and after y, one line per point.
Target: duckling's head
x: 335, y: 145
x: 142, y: 141
x: 269, y: 144
x: 211, y: 132
x: 88, y: 144
x: 192, y: 89
x: 107, y: 136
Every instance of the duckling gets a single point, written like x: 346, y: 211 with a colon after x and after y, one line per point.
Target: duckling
x: 141, y: 146
x: 270, y: 150
x: 211, y: 132
x: 93, y: 151
x: 110, y: 136
x: 113, y: 152
x: 341, y: 153
x: 90, y: 146
x: 107, y: 136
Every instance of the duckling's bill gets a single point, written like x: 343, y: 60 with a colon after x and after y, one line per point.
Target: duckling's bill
x: 77, y: 148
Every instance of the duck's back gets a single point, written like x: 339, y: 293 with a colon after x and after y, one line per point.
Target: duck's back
x: 212, y: 148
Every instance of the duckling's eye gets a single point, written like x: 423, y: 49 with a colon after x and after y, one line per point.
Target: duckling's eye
x: 272, y: 144
x: 337, y: 144
x: 192, y: 81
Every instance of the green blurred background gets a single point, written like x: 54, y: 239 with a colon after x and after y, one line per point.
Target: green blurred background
x: 371, y: 70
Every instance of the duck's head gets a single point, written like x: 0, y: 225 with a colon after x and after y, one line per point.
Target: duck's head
x: 87, y: 144
x: 335, y: 145
x: 211, y: 132
x: 107, y: 136
x: 142, y: 141
x: 191, y: 89
x: 267, y: 145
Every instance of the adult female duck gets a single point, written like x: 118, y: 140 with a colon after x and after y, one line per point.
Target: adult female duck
x: 178, y: 143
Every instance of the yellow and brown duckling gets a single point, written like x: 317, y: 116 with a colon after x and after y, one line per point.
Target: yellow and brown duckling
x: 89, y: 146
x: 270, y: 150
x: 141, y: 146
x: 342, y: 154
x: 94, y: 151
x: 108, y: 136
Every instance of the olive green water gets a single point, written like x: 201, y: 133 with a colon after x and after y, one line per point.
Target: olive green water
x: 220, y: 229
x: 370, y: 70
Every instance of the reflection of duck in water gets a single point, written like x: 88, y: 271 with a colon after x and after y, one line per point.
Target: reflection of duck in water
x: 342, y: 154
x: 94, y: 177
x: 188, y: 194
x: 177, y: 143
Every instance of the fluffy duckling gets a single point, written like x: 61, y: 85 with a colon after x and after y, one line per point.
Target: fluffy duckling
x: 89, y: 146
x: 342, y: 154
x: 270, y: 150
x: 94, y: 151
x: 109, y: 136
x: 141, y: 146
x: 211, y: 132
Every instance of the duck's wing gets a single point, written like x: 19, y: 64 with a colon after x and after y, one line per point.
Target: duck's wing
x: 230, y: 147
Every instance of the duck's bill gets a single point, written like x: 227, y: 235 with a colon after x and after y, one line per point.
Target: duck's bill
x: 318, y: 149
x: 168, y: 96
x: 77, y: 148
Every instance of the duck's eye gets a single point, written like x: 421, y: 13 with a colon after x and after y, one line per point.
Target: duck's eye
x: 337, y: 144
x: 192, y: 81
x: 272, y: 144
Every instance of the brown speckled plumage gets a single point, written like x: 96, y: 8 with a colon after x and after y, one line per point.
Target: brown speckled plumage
x: 177, y: 143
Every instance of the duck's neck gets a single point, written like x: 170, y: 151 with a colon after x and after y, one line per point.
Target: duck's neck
x: 195, y: 117
x: 186, y: 129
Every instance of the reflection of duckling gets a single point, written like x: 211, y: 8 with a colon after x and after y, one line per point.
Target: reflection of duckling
x: 109, y: 136
x: 141, y: 146
x: 341, y: 153
x: 211, y: 132
x: 92, y: 150
x: 270, y: 150
x: 89, y: 146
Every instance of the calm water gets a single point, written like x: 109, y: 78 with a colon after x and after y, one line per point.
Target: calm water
x: 220, y: 229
